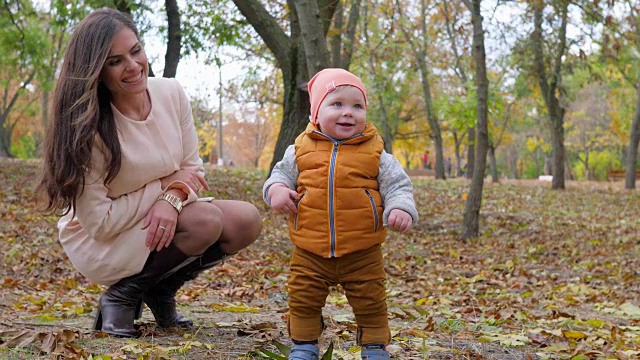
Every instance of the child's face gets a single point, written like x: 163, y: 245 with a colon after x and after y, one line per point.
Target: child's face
x: 342, y: 114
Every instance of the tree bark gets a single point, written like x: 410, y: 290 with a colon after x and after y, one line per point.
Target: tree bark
x: 471, y: 220
x: 632, y: 149
x: 549, y: 86
x: 419, y: 50
x: 6, y: 129
x: 5, y: 140
x: 587, y: 170
x: 471, y: 151
x: 122, y: 6
x: 352, y: 25
x: 174, y: 42
x: 457, y: 142
x: 385, y: 133
x: 493, y: 164
x: 335, y: 41
x: 462, y: 75
x: 436, y: 133
x: 313, y: 38
x: 44, y: 113
x: 341, y: 47
x: 291, y: 60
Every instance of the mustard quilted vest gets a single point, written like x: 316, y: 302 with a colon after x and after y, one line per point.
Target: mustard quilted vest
x: 340, y: 210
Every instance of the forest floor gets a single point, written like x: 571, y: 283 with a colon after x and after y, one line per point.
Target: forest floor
x: 554, y: 275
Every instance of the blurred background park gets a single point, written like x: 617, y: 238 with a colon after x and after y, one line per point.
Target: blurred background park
x: 415, y: 56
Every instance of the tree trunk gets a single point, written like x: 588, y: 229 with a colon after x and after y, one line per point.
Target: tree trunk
x: 172, y: 56
x: 587, y: 171
x: 537, y: 162
x: 549, y: 87
x: 494, y: 164
x: 457, y: 142
x: 558, y: 153
x: 471, y: 150
x: 5, y: 138
x: 461, y: 72
x: 313, y: 38
x: 433, y: 121
x: 385, y: 132
x: 632, y: 149
x: 44, y: 113
x: 335, y: 42
x: 296, y: 98
x: 419, y: 48
x: 471, y: 220
x: 290, y: 57
x: 6, y: 129
x: 352, y: 25
x: 122, y: 6
x: 285, y: 50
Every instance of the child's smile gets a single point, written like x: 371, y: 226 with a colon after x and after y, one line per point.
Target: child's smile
x: 342, y: 113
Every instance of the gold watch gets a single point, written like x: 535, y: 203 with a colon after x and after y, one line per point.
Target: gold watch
x: 173, y: 200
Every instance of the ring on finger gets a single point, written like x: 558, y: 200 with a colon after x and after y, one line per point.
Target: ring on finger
x: 162, y: 227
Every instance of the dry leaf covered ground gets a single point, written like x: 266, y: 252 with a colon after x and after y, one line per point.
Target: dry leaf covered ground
x: 554, y: 275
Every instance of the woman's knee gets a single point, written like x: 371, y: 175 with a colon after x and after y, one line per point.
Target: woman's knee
x: 201, y: 227
x: 251, y: 223
x: 242, y: 225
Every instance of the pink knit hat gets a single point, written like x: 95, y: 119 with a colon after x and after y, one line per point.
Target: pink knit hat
x: 327, y: 80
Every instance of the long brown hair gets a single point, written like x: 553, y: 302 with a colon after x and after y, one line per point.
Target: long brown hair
x: 81, y: 108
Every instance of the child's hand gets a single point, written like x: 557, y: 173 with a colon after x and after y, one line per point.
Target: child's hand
x: 400, y: 220
x: 282, y: 199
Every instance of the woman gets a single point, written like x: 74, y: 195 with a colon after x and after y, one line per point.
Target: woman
x: 122, y: 165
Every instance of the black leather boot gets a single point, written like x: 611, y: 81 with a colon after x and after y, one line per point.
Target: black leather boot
x: 161, y: 299
x: 119, y: 305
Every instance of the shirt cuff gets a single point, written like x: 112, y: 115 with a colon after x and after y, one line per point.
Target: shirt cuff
x: 181, y: 185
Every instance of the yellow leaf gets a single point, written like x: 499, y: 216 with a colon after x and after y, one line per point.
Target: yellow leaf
x: 573, y: 334
x: 235, y: 308
x: 421, y: 301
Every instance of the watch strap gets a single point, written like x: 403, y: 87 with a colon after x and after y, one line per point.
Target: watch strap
x: 175, y: 201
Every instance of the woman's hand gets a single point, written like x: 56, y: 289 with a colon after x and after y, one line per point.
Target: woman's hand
x: 400, y: 220
x: 191, y: 177
x: 161, y: 223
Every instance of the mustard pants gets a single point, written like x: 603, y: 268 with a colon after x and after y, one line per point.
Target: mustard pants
x: 361, y: 275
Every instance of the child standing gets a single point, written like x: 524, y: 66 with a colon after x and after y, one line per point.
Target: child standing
x: 341, y: 189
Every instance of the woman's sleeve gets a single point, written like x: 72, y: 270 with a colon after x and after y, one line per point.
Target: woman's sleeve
x: 190, y: 148
x: 103, y: 217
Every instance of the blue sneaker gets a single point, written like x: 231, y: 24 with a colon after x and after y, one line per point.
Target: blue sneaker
x: 374, y: 352
x: 304, y: 352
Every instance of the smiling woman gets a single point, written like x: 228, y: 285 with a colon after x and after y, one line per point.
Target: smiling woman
x: 125, y: 75
x: 122, y: 166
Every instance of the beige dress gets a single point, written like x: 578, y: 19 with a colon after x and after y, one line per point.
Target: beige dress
x: 104, y: 239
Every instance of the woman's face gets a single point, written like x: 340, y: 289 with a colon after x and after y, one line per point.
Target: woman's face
x: 126, y: 69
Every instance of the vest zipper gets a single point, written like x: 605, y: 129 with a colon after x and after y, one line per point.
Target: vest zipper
x: 332, y: 220
x: 332, y: 174
x: 375, y: 211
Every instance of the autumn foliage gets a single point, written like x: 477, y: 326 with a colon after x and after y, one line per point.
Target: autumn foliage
x: 553, y: 275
